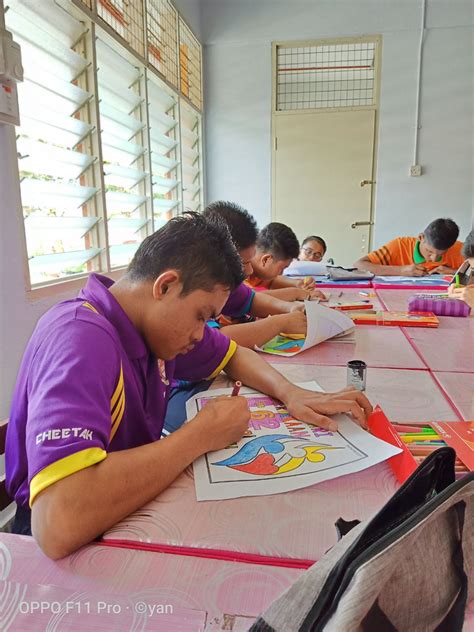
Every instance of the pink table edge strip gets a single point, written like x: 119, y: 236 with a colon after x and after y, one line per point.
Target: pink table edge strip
x: 216, y: 554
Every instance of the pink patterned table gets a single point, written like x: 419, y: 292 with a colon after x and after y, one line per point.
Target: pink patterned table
x: 298, y: 524
x: 448, y: 348
x: 459, y: 387
x: 396, y: 300
x: 103, y: 588
x: 376, y: 346
x: 404, y: 395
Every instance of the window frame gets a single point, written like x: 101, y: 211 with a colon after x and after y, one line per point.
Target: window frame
x: 86, y: 11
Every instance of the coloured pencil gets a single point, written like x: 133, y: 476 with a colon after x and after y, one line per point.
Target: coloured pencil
x: 418, y: 431
x: 236, y: 389
x: 403, y: 428
x: 419, y: 437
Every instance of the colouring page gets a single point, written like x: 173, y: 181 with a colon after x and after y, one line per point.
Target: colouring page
x: 323, y: 324
x: 279, y: 453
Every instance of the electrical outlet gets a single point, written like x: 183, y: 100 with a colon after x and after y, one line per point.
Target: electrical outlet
x: 415, y: 170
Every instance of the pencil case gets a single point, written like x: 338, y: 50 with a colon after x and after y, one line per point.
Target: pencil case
x: 439, y: 306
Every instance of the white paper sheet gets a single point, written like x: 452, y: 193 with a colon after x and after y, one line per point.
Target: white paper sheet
x: 305, y: 268
x: 323, y: 324
x: 281, y: 454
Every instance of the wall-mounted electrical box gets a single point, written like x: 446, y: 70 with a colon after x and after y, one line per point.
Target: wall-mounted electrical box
x: 415, y: 170
x: 11, y: 71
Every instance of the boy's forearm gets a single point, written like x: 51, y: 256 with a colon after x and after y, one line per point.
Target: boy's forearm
x: 282, y: 282
x: 284, y: 293
x: 78, y: 508
x: 265, y: 305
x: 257, y: 333
x: 377, y: 269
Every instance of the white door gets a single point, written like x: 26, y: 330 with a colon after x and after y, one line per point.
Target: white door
x: 323, y: 166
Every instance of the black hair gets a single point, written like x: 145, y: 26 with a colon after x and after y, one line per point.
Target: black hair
x: 320, y: 241
x: 278, y: 240
x: 468, y: 248
x: 203, y: 253
x: 242, y: 226
x: 441, y: 233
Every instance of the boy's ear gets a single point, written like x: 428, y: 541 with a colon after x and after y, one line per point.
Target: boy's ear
x: 168, y: 282
x: 421, y: 237
x: 266, y: 259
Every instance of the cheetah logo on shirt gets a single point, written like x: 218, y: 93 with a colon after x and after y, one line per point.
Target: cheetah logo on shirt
x: 63, y: 433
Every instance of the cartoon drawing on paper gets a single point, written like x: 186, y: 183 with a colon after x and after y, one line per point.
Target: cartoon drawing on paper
x: 274, y: 454
x: 323, y: 324
x: 282, y: 345
x: 279, y: 453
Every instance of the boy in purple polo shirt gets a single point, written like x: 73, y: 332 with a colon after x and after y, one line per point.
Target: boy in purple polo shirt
x: 244, y: 304
x: 83, y: 448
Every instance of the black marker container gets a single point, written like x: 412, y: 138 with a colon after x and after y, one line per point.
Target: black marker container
x: 356, y: 374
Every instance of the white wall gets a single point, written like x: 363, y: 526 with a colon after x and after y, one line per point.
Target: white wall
x: 190, y: 10
x: 19, y: 312
x: 238, y: 76
x: 238, y: 36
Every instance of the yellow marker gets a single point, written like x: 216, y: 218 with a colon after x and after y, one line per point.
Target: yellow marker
x: 456, y: 278
x: 308, y: 279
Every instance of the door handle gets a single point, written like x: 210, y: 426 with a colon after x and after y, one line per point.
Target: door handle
x: 356, y: 224
x: 364, y: 182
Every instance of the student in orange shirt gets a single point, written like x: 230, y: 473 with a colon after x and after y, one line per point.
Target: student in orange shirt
x: 276, y: 247
x: 466, y: 292
x: 434, y: 251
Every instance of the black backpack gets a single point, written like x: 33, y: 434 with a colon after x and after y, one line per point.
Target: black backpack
x: 408, y: 569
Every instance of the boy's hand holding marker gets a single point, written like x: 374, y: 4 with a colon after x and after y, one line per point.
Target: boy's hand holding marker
x: 463, y: 292
x: 224, y: 420
x: 308, y: 283
x: 295, y: 323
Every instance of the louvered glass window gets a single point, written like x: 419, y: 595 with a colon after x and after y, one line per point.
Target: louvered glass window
x: 122, y: 123
x: 164, y: 150
x: 108, y: 150
x: 191, y: 158
x: 53, y: 141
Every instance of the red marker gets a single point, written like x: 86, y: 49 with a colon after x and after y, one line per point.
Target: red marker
x: 236, y: 389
